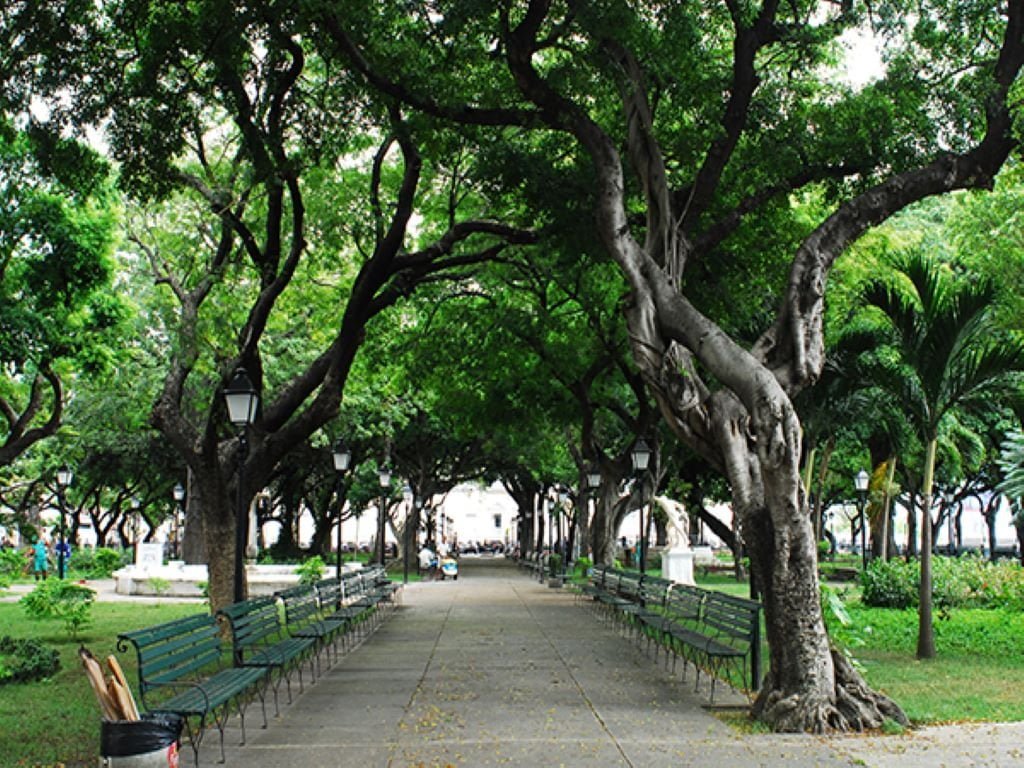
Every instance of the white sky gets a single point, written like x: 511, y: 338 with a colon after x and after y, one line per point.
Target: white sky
x: 863, y: 58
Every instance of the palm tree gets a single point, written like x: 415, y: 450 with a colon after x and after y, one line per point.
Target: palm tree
x: 1011, y: 464
x: 939, y: 350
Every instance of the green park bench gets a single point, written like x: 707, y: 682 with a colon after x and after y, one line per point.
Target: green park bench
x: 305, y: 622
x: 625, y: 603
x: 181, y: 670
x: 377, y: 582
x: 331, y: 594
x: 725, y: 635
x: 357, y: 595
x: 713, y: 631
x: 652, y: 596
x: 257, y: 640
x: 595, y: 585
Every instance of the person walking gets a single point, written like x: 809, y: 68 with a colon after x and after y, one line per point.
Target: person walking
x: 40, y: 562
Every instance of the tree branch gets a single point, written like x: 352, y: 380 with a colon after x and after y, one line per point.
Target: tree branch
x: 463, y: 113
x: 746, y: 45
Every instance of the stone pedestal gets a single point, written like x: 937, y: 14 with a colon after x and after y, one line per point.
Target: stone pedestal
x: 677, y: 566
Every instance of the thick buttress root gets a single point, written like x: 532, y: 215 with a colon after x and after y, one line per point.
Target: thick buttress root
x: 855, y: 706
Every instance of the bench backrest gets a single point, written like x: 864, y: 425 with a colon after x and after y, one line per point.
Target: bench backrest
x: 173, y: 651
x: 734, y: 617
x: 684, y: 602
x: 352, y: 586
x: 598, y: 574
x: 254, y: 622
x: 330, y: 593
x: 654, y: 591
x: 629, y: 585
x: 373, y: 574
x: 300, y: 605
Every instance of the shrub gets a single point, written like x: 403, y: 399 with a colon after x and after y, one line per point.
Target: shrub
x: 554, y: 565
x: 105, y: 562
x: 583, y: 566
x: 97, y: 563
x: 311, y: 571
x: 965, y: 582
x: 890, y: 584
x: 824, y: 550
x: 64, y: 600
x: 22, y: 660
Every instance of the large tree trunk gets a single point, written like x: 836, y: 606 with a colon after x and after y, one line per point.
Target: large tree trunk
x: 603, y: 527
x: 218, y: 528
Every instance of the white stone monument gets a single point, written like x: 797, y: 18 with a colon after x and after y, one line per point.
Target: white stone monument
x: 677, y: 559
x: 149, y: 556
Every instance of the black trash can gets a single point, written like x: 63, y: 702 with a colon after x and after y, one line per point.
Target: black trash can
x: 150, y: 742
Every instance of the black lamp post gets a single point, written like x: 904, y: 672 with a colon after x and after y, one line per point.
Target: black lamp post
x: 64, y: 477
x: 860, y: 482
x: 242, y: 402
x: 342, y: 458
x: 641, y: 458
x: 384, y: 475
x: 411, y: 524
x: 179, y: 513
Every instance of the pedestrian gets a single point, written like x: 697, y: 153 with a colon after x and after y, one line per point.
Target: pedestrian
x: 40, y: 562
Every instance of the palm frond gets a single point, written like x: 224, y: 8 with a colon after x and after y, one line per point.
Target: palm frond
x: 1011, y: 463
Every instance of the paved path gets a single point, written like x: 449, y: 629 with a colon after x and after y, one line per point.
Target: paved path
x: 495, y: 669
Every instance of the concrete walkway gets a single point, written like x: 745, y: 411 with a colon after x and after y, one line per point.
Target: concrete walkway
x: 496, y: 669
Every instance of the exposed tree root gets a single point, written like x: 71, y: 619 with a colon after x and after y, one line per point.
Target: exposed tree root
x: 855, y: 707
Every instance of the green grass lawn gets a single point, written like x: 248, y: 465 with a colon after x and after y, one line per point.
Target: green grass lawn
x: 950, y: 689
x: 977, y: 675
x: 57, y: 721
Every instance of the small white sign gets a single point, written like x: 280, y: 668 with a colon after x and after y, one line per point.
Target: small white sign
x: 151, y: 554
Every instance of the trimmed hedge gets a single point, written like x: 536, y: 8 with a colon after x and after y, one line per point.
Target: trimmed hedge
x: 957, y: 582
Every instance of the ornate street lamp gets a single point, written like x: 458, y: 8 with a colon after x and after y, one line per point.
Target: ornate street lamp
x: 641, y: 455
x: 64, y: 477
x: 179, y: 514
x: 384, y: 475
x: 242, y: 401
x: 342, y: 458
x: 860, y: 482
